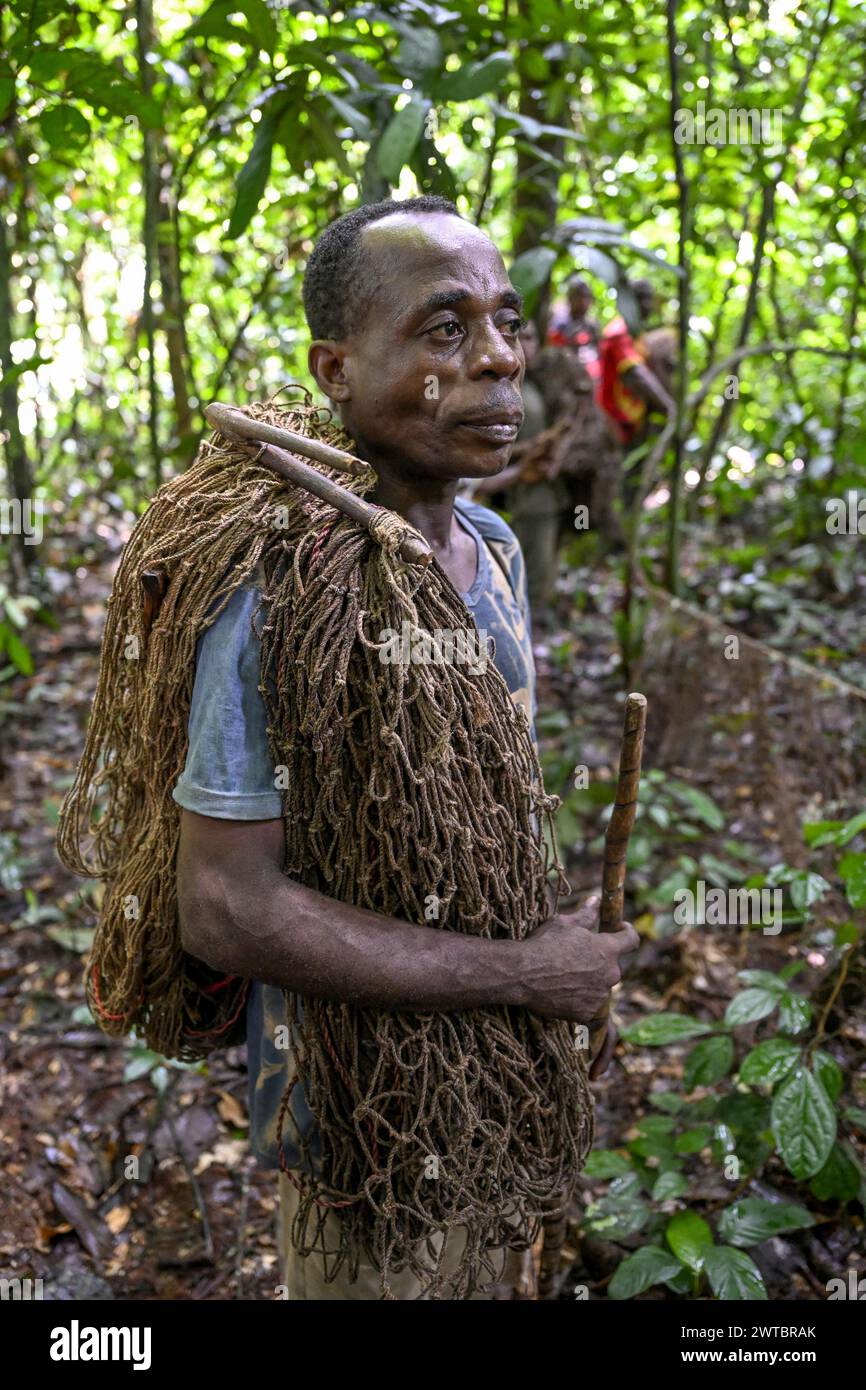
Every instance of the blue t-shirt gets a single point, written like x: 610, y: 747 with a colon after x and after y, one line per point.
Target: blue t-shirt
x: 229, y: 772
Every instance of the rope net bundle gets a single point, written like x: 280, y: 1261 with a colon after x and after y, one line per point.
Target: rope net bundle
x: 410, y: 785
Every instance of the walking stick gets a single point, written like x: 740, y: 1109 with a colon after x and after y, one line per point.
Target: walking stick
x: 616, y: 839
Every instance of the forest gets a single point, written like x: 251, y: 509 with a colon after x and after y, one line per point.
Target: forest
x: 166, y: 170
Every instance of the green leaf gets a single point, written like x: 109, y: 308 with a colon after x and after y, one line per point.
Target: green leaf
x: 764, y: 978
x: 769, y: 1062
x: 399, y: 139
x: 474, y: 79
x: 618, y: 1215
x: 851, y: 828
x: 804, y: 1124
x: 689, y: 1236
x: 750, y: 1006
x: 640, y: 1271
x: 7, y: 91
x: 420, y: 51
x: 708, y: 1062
x: 253, y: 178
x: 693, y: 1140
x: 753, y: 1219
x: 18, y: 653
x: 606, y: 1163
x: 64, y: 128
x: 531, y: 270
x: 839, y: 1179
x: 856, y: 1116
x: 702, y: 805
x: 829, y: 1073
x: 806, y: 888
x: 852, y: 870
x: 355, y: 119
x: 669, y: 1185
x: 215, y: 23
x: 794, y: 1013
x: 665, y: 1028
x: 733, y: 1275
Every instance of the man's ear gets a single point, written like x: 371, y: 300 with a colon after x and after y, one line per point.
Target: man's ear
x: 326, y: 361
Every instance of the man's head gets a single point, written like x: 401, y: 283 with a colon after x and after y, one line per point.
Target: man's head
x: 579, y: 297
x: 646, y: 297
x: 415, y: 329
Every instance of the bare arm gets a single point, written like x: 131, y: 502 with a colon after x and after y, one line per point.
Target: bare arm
x: 645, y: 383
x: 240, y: 913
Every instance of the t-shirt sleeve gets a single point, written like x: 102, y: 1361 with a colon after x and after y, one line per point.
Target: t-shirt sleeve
x: 229, y: 772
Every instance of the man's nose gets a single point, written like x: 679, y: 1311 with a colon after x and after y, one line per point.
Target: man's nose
x: 492, y: 354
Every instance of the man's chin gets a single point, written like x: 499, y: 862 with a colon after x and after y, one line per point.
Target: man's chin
x: 485, y: 463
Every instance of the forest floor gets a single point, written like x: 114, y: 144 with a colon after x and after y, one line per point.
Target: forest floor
x: 200, y: 1220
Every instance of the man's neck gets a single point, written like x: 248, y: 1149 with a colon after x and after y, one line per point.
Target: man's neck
x: 427, y: 504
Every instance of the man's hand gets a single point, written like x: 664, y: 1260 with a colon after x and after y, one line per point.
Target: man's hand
x: 570, y: 968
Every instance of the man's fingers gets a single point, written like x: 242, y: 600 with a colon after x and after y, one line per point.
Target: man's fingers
x: 622, y: 941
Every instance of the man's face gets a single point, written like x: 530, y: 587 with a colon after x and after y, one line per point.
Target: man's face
x: 579, y: 302
x: 431, y: 379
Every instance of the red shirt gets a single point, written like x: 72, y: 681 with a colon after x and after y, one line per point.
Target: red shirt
x: 619, y: 352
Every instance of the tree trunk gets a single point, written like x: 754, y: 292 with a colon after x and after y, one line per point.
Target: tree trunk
x: 18, y: 466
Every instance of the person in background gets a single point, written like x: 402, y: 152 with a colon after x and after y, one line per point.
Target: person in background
x: 533, y: 494
x: 628, y: 388
x: 578, y: 331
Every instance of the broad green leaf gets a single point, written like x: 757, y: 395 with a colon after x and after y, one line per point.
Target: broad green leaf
x: 752, y: 1219
x: 804, y: 1124
x: 355, y: 119
x: 216, y: 23
x: 839, y: 1179
x: 855, y: 1116
x: 420, y: 51
x: 531, y: 270
x: 659, y: 1029
x: 708, y: 1062
x: 399, y: 139
x: 806, y: 888
x: 852, y: 870
x: 475, y: 79
x: 606, y: 1163
x: 829, y: 1073
x: 702, y: 805
x: 18, y: 653
x: 253, y: 178
x: 669, y: 1185
x: 763, y: 978
x: 750, y: 1006
x: 769, y: 1062
x: 733, y: 1275
x: 618, y: 1215
x: 64, y: 128
x: 794, y: 1013
x: 640, y: 1271
x: 693, y: 1140
x: 689, y: 1236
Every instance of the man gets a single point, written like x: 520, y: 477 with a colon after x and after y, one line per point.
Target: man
x: 578, y: 331
x: 415, y: 331
x: 628, y: 387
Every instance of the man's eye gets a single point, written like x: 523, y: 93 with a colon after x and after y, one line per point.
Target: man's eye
x: 512, y: 325
x: 446, y: 327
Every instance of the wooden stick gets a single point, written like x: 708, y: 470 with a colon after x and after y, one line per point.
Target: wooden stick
x: 616, y: 839
x: 413, y: 547
x: 621, y: 823
x: 234, y: 423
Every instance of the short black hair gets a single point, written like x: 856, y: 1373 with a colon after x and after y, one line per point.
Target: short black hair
x: 337, y: 287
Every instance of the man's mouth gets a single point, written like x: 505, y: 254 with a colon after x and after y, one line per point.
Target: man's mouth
x: 499, y: 426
